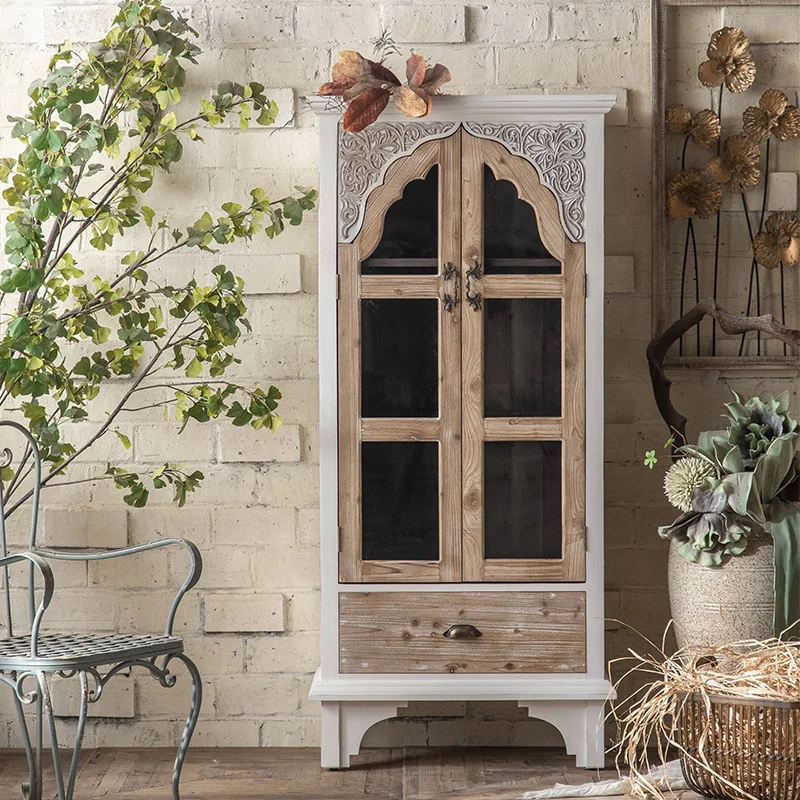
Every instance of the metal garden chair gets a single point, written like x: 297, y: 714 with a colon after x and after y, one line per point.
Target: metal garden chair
x: 35, y: 658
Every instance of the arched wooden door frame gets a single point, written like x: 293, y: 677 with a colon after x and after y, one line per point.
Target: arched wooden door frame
x: 446, y: 429
x: 569, y: 286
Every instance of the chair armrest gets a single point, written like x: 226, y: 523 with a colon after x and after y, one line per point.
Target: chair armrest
x: 47, y: 595
x: 195, y: 567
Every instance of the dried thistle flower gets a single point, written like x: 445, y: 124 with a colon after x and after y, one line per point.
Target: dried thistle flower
x: 729, y: 61
x: 703, y: 127
x: 779, y: 242
x: 691, y: 194
x: 683, y: 477
x: 773, y: 115
x: 738, y: 165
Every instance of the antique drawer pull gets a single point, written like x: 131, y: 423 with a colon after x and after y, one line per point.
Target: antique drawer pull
x: 474, y: 298
x: 450, y: 301
x: 462, y: 632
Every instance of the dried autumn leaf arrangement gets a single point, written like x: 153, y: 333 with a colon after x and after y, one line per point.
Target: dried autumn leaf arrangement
x: 366, y: 86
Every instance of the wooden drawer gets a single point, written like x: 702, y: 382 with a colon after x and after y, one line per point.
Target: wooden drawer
x: 524, y: 632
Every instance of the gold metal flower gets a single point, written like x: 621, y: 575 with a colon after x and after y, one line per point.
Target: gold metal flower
x: 773, y: 115
x: 729, y: 61
x: 779, y: 243
x: 738, y: 165
x: 703, y: 127
x: 690, y: 193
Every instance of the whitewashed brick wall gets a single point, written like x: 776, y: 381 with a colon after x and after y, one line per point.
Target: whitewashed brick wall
x: 253, y: 621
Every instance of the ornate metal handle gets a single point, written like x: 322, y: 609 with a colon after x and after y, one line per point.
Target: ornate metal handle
x: 474, y: 298
x: 450, y: 301
x: 462, y: 632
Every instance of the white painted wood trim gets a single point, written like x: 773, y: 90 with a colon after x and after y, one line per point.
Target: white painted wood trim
x: 579, y: 696
x: 508, y: 107
x: 344, y: 726
x: 595, y: 299
x: 460, y: 686
x: 328, y: 389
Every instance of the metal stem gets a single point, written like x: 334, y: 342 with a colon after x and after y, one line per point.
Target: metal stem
x: 191, y: 722
x: 783, y: 305
x: 44, y: 689
x: 76, y: 753
x: 716, y: 237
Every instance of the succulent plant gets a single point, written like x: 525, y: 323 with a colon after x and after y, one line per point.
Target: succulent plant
x: 683, y: 477
x: 754, y: 424
x: 711, y: 530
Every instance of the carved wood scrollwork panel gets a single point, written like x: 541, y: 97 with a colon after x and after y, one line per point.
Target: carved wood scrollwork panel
x: 364, y: 158
x: 556, y: 150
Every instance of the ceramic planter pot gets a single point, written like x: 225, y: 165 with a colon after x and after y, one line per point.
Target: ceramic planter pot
x: 720, y: 605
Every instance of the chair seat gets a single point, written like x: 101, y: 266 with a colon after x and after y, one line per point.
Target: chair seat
x: 68, y: 651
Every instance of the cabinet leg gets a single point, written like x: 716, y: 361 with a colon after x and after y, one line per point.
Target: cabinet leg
x: 331, y: 737
x: 580, y: 722
x: 593, y: 753
x: 344, y: 725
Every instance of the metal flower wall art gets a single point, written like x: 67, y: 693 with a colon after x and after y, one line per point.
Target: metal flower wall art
x: 366, y: 86
x: 740, y: 165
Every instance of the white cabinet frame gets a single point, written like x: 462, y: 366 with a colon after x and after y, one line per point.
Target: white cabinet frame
x: 573, y: 703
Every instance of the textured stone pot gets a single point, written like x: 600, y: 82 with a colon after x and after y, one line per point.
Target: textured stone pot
x: 719, y: 605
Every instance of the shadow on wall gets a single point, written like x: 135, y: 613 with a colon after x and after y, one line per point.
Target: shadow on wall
x: 471, y: 724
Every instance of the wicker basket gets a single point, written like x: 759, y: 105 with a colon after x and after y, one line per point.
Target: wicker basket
x: 755, y: 744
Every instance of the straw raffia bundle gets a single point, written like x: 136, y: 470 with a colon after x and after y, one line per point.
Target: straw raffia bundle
x: 732, y: 714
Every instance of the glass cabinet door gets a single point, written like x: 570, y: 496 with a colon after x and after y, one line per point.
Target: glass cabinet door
x: 461, y: 375
x: 399, y: 377
x: 522, y: 375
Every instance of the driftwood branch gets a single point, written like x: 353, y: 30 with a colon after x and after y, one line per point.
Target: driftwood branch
x: 732, y: 324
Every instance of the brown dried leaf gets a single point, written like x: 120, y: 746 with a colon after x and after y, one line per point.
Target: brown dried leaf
x: 381, y: 73
x: 365, y: 109
x: 415, y: 70
x: 412, y: 102
x: 337, y: 88
x: 350, y: 65
x: 360, y: 87
x: 435, y: 76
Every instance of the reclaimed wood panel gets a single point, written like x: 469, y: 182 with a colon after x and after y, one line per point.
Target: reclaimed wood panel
x: 379, y: 286
x: 280, y: 773
x: 411, y: 429
x: 522, y: 632
x: 512, y: 429
x: 471, y: 362
x: 523, y: 286
x: 450, y: 364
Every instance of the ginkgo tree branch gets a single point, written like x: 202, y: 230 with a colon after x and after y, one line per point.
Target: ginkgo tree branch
x: 121, y: 328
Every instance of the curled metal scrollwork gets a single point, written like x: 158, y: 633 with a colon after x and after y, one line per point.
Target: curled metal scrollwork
x: 26, y: 698
x: 7, y: 458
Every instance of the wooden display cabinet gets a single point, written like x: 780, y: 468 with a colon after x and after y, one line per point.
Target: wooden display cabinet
x: 461, y: 304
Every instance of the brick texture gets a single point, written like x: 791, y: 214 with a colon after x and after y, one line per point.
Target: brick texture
x: 253, y: 621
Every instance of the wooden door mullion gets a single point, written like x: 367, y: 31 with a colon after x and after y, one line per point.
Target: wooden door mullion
x: 450, y: 364
x: 472, y: 379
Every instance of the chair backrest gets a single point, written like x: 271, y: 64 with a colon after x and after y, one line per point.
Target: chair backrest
x: 29, y: 464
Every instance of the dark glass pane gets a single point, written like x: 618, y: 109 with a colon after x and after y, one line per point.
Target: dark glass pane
x: 410, y: 242
x: 522, y: 358
x: 523, y: 499
x: 399, y: 358
x: 512, y: 245
x: 400, y: 511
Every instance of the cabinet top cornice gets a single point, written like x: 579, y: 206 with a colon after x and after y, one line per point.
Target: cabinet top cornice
x: 514, y: 106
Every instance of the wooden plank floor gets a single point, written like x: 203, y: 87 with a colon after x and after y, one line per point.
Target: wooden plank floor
x: 294, y: 774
